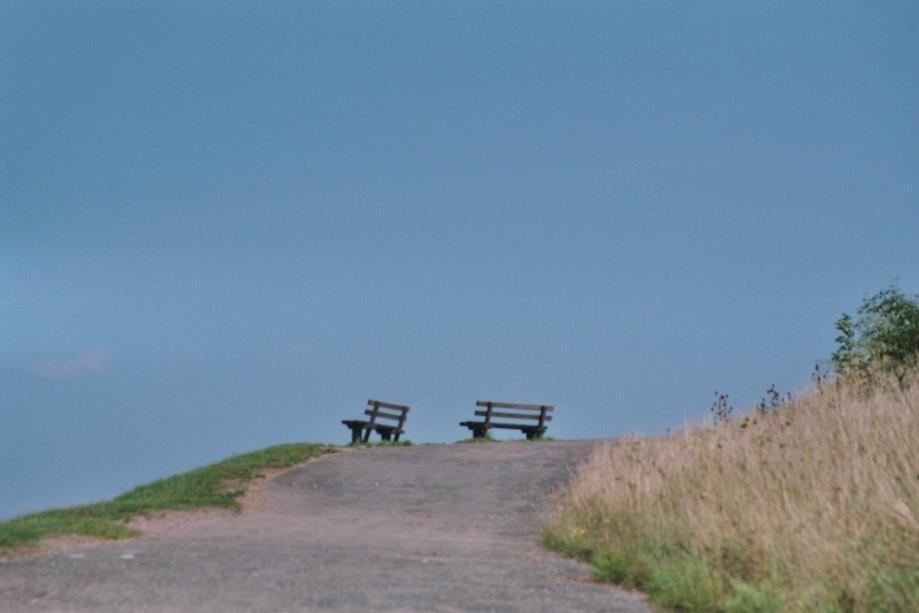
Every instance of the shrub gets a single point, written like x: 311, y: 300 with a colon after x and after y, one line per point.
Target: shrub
x: 883, y: 338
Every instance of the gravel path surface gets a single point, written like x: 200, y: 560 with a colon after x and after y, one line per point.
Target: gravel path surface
x: 424, y: 528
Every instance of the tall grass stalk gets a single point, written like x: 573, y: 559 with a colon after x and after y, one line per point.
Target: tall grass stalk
x: 814, y: 506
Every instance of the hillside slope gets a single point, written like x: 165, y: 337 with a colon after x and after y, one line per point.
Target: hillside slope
x: 811, y: 506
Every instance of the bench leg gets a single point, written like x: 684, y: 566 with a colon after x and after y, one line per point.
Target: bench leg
x: 355, y: 435
x: 386, y: 435
x: 479, y: 432
x: 531, y: 434
x: 366, y: 435
x: 397, y: 437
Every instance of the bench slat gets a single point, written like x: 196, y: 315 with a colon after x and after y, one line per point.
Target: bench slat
x: 511, y: 415
x: 389, y: 405
x: 382, y: 414
x: 512, y: 426
x: 514, y: 405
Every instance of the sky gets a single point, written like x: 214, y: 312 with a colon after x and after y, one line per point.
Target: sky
x: 226, y: 225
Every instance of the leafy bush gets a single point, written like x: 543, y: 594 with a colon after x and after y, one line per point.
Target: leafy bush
x: 883, y: 337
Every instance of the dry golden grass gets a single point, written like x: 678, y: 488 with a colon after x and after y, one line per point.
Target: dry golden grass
x: 814, y: 506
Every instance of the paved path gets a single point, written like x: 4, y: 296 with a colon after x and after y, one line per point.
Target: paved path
x: 425, y: 528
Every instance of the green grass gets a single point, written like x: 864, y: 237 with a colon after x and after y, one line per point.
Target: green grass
x: 672, y: 578
x: 676, y: 579
x: 216, y: 485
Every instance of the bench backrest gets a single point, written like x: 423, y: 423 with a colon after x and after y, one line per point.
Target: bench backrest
x: 395, y: 412
x: 515, y: 410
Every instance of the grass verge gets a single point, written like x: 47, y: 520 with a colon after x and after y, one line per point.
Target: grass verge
x: 811, y: 507
x: 216, y: 485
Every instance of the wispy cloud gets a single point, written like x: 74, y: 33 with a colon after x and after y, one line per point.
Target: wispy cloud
x: 92, y: 362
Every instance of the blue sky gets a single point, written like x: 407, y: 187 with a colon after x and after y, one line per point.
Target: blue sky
x: 227, y: 225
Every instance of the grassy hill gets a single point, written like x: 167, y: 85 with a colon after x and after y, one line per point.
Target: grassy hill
x: 812, y: 506
x: 216, y: 485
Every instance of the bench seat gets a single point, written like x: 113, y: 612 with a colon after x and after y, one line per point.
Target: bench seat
x: 359, y: 425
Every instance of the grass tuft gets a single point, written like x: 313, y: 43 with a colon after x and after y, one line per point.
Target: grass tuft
x: 685, y: 583
x: 216, y: 485
x: 748, y: 598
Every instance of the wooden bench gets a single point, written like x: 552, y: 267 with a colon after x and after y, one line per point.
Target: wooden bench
x: 523, y: 413
x: 397, y: 413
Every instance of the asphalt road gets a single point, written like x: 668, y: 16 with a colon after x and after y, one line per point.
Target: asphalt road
x: 424, y: 528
